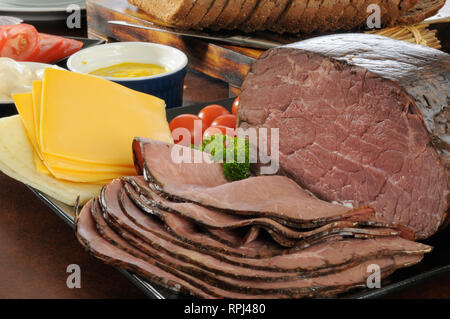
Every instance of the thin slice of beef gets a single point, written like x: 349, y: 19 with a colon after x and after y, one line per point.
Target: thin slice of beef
x: 250, y: 281
x: 340, y: 281
x: 370, y: 116
x: 108, y: 253
x: 185, y: 231
x: 282, y: 235
x: 122, y: 247
x: 292, y: 261
x: 155, y: 204
x: 176, y: 164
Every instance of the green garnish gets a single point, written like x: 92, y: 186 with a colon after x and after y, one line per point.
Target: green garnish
x: 233, y: 152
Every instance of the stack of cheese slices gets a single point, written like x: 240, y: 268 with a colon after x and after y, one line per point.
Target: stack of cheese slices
x: 80, y: 127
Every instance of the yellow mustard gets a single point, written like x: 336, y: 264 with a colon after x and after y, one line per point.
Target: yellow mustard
x: 130, y: 70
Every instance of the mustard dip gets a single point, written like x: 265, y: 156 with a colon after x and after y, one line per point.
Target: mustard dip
x: 130, y: 70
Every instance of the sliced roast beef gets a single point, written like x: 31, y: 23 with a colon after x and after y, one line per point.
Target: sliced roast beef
x: 370, y: 116
x: 336, y: 282
x: 250, y: 280
x: 121, y: 253
x: 100, y: 248
x: 154, y: 233
x: 204, y: 183
x: 176, y: 164
x: 209, y: 218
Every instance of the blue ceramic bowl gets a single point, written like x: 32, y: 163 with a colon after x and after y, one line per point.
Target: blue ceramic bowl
x: 167, y: 86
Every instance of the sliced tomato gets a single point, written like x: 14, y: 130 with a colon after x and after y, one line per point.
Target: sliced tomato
x: 74, y: 46
x: 22, y: 42
x: 49, y: 48
x: 3, y: 36
x: 228, y: 120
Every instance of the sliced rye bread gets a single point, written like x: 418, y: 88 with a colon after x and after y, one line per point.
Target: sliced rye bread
x: 422, y: 10
x: 290, y: 19
x: 238, y: 8
x: 322, y: 12
x: 335, y: 11
x: 277, y: 11
x: 359, y: 20
x: 405, y: 5
x: 350, y: 11
x: 310, y: 15
x: 198, y: 11
x: 355, y: 14
x: 247, y: 9
x: 170, y: 12
x: 212, y: 14
x: 391, y: 12
x: 227, y: 15
x: 259, y: 16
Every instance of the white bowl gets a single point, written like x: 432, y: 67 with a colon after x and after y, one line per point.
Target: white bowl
x: 100, y: 56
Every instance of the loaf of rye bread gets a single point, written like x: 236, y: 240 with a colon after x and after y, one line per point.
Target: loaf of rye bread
x: 293, y: 16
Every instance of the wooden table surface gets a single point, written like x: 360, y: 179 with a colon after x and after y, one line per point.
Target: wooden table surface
x: 36, y: 246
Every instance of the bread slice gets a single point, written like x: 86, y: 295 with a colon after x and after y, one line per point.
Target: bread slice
x: 321, y: 14
x: 247, y: 9
x: 236, y: 12
x: 335, y: 12
x: 309, y: 20
x: 358, y: 18
x: 259, y: 16
x: 422, y: 10
x: 405, y: 5
x: 168, y: 12
x: 280, y: 6
x: 290, y: 19
x: 226, y: 17
x: 213, y: 12
x: 198, y: 11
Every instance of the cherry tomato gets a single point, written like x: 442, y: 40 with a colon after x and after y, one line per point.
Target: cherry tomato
x: 209, y: 113
x: 228, y: 120
x: 219, y: 129
x: 22, y: 43
x: 189, y: 122
x: 235, y: 106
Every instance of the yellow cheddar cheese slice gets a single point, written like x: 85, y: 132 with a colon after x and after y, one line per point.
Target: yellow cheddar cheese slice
x: 37, y: 96
x: 16, y: 160
x: 92, y: 120
x: 24, y: 105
